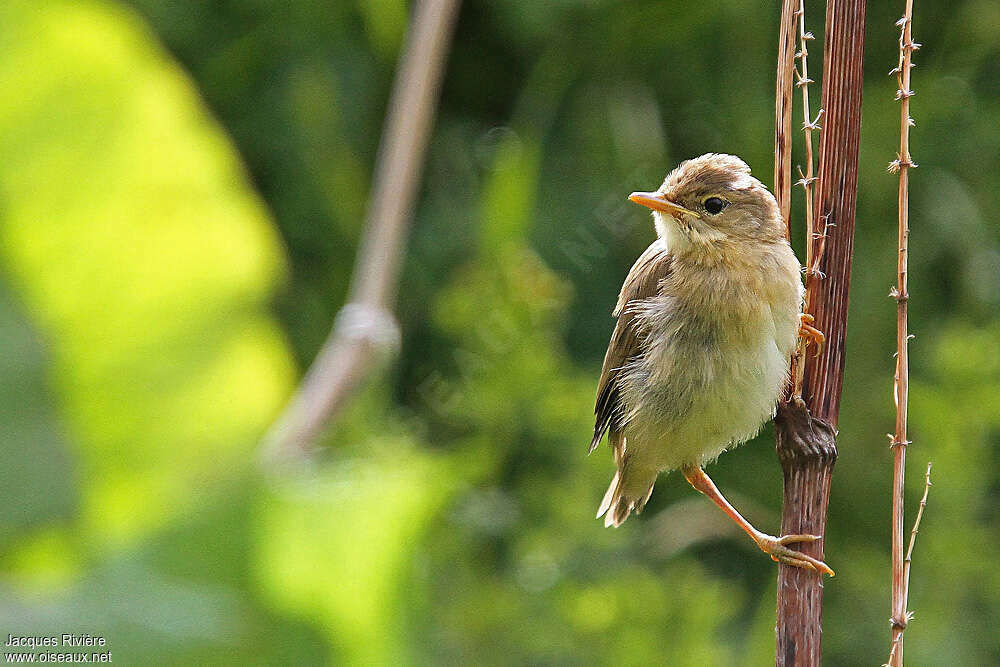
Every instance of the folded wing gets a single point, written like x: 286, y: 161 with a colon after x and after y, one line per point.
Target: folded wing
x: 643, y: 282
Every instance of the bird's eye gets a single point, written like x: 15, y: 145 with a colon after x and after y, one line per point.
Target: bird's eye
x: 715, y: 205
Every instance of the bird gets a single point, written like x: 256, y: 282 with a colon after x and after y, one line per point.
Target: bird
x: 707, y: 321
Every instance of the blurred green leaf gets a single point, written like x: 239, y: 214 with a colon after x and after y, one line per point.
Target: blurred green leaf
x: 129, y: 229
x: 339, y: 546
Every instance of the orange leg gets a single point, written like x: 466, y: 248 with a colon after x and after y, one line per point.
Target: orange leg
x: 811, y: 333
x: 773, y: 546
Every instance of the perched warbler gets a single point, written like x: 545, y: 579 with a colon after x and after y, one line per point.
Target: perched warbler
x: 708, y: 318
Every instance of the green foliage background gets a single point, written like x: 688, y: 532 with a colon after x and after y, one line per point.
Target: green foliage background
x: 182, y: 187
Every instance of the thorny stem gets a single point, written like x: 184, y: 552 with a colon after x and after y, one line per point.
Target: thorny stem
x: 808, y: 125
x: 916, y: 523
x: 806, y: 180
x: 902, y: 165
x: 805, y: 429
x: 897, y: 641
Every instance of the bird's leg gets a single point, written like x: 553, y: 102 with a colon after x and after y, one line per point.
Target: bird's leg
x: 773, y: 546
x: 811, y: 333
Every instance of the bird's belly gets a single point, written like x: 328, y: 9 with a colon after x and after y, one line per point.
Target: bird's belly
x: 704, y: 395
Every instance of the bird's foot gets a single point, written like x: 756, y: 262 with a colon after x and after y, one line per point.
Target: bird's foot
x: 811, y: 333
x: 776, y: 549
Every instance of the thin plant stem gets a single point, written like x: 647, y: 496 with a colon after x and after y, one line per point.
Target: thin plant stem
x: 902, y: 165
x: 806, y: 180
x: 783, y: 113
x: 897, y: 641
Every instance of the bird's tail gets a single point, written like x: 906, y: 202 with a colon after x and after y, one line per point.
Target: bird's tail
x: 624, y: 498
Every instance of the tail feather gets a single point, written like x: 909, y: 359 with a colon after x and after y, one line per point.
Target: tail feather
x: 619, y: 501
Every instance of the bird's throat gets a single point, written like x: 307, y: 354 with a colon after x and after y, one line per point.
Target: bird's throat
x: 672, y: 232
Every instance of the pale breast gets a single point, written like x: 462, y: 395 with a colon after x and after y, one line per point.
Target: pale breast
x: 711, y: 373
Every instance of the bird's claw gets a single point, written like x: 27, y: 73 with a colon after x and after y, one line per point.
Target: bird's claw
x: 811, y: 333
x: 776, y: 548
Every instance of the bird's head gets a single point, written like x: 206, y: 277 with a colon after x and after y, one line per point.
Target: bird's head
x: 713, y: 201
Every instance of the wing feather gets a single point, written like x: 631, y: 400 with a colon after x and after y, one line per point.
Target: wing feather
x: 643, y: 282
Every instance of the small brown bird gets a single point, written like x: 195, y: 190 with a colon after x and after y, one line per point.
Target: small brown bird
x: 707, y: 320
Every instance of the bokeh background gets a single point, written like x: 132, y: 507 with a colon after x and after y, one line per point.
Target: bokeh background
x: 182, y: 187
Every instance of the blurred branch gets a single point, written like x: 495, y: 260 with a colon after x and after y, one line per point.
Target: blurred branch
x: 806, y: 427
x: 366, y: 326
x: 902, y: 164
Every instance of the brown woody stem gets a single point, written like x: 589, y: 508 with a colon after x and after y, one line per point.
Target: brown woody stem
x: 806, y: 428
x: 783, y: 113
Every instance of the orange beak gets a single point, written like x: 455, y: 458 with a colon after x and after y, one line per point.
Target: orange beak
x: 658, y: 202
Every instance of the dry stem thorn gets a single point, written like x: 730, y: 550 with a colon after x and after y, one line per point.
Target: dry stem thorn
x: 807, y: 180
x: 898, y: 624
x: 901, y: 165
x: 916, y: 523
